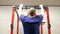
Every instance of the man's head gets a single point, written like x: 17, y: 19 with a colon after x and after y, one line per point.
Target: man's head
x: 32, y: 12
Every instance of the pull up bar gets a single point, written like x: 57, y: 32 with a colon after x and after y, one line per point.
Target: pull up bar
x: 36, y: 7
x: 29, y: 6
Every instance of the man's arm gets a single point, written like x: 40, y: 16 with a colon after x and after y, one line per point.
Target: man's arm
x: 42, y: 10
x: 20, y: 10
x: 42, y: 13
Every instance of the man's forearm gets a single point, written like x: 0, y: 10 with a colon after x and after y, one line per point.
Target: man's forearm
x: 42, y: 9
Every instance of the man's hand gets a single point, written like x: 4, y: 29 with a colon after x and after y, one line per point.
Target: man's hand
x: 20, y: 9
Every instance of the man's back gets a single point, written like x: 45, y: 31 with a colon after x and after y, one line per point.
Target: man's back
x: 31, y: 25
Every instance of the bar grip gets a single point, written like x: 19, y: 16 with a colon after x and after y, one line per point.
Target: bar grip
x: 49, y: 25
x: 11, y: 26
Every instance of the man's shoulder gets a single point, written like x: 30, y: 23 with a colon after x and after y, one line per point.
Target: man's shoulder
x: 39, y: 15
x: 22, y: 16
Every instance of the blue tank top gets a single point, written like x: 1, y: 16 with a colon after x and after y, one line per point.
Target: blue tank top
x: 31, y: 25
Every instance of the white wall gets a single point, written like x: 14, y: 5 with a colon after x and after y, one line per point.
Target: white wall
x: 55, y: 19
x: 5, y: 15
x: 5, y: 21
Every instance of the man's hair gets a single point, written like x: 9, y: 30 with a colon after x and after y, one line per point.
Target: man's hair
x: 32, y: 11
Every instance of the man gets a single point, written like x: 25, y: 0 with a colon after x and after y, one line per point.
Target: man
x: 31, y: 21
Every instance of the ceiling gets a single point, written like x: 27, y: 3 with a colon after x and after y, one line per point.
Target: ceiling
x: 30, y: 2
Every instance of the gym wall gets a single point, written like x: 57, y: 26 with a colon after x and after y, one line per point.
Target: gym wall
x: 5, y: 21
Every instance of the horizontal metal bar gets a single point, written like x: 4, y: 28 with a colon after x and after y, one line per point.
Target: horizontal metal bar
x: 34, y: 6
x: 29, y: 6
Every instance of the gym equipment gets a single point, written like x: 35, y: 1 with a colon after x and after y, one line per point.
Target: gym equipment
x: 12, y: 22
x: 48, y: 21
x: 27, y: 7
